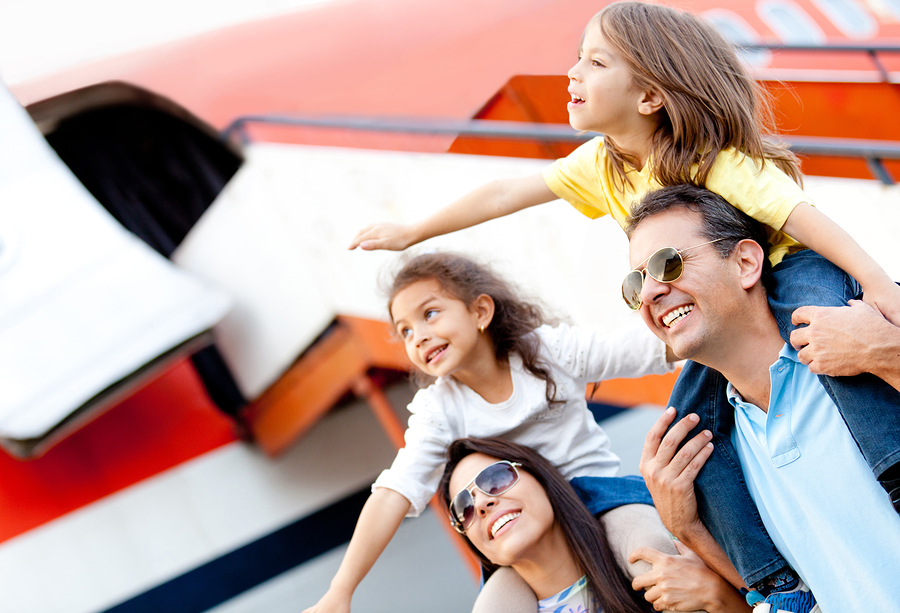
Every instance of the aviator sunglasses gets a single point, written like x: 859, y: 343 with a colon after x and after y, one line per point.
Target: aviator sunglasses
x: 666, y: 266
x: 493, y: 480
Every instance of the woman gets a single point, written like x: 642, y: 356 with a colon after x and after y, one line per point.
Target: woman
x: 532, y: 521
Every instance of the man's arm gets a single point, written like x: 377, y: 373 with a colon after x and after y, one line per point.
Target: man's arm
x: 670, y: 479
x: 847, y: 341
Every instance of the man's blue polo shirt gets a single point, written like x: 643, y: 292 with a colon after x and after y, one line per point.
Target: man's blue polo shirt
x: 816, y: 495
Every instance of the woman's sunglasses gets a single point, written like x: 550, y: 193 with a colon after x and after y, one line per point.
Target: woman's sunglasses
x: 666, y: 266
x: 493, y: 480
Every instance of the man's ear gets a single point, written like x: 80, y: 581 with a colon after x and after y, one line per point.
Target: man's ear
x: 483, y: 309
x: 750, y: 258
x: 650, y: 102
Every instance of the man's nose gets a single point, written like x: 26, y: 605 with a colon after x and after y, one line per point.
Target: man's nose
x: 652, y: 290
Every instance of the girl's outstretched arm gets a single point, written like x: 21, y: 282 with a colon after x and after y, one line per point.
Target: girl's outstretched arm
x: 815, y: 230
x: 490, y: 201
x: 378, y: 521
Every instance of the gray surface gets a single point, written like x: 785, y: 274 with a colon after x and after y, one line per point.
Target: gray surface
x: 419, y: 570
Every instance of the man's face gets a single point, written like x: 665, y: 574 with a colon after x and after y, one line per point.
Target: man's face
x: 693, y: 313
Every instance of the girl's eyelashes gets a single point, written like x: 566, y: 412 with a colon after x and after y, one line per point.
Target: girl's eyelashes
x: 430, y: 313
x: 404, y: 332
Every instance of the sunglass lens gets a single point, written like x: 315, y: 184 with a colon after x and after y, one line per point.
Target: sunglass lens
x: 496, y: 479
x: 463, y: 510
x: 631, y: 289
x: 665, y: 265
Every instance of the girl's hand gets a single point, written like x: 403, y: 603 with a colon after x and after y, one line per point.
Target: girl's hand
x: 885, y: 298
x: 390, y: 236
x: 332, y: 602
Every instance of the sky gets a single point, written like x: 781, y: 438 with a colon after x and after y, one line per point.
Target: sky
x: 40, y: 37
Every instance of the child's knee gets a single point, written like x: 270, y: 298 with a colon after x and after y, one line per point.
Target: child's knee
x: 505, y: 592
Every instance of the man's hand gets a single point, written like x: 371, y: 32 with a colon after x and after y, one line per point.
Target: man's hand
x: 846, y: 341
x: 670, y: 475
x: 684, y: 583
x: 390, y: 236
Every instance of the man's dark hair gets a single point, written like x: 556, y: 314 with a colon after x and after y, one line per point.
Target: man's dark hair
x: 720, y: 219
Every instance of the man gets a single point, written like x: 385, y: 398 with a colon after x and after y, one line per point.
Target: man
x: 812, y: 488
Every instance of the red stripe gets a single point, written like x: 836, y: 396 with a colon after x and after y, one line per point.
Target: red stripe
x: 167, y: 422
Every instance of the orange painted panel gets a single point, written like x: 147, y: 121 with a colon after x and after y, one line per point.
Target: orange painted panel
x: 324, y: 373
x: 651, y: 389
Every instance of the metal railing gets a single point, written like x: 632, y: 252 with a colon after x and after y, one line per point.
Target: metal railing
x: 871, y: 50
x: 872, y: 151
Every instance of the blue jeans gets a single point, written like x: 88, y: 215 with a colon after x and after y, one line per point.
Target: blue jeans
x: 602, y: 494
x: 869, y: 406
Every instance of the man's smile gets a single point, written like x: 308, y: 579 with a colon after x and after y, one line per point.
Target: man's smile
x: 676, y: 315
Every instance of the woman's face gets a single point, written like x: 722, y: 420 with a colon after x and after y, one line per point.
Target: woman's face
x: 513, y: 527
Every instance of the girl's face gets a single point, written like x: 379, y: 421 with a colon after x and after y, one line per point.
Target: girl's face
x: 604, y: 97
x: 440, y: 332
x: 515, y: 527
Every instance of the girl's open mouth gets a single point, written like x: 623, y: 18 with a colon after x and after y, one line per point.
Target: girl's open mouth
x: 431, y: 355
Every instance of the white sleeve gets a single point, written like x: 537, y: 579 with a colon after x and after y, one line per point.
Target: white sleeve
x: 596, y: 356
x: 418, y: 467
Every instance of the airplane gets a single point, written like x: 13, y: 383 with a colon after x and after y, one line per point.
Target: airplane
x: 230, y: 480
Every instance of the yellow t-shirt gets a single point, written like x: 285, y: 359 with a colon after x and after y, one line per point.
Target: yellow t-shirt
x: 585, y: 179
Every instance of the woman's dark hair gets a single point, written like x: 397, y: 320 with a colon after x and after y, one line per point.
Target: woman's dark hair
x: 514, y: 319
x: 610, y: 589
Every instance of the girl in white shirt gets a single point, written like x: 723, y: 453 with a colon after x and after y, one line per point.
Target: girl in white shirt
x: 500, y: 371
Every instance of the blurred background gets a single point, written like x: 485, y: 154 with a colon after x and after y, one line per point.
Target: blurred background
x: 197, y: 381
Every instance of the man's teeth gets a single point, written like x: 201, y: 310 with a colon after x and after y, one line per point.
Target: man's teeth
x: 502, y: 521
x: 673, y: 316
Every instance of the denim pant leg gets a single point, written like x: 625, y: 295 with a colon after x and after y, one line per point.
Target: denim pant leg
x: 870, y: 407
x: 723, y: 500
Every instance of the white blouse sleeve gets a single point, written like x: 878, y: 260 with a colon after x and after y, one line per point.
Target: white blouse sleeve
x: 418, y: 467
x: 596, y: 356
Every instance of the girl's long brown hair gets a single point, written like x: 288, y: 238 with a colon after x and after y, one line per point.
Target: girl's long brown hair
x: 514, y: 319
x: 584, y: 534
x: 710, y: 102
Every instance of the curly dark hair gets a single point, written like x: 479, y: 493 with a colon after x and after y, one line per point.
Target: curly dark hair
x: 610, y: 589
x: 515, y: 320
